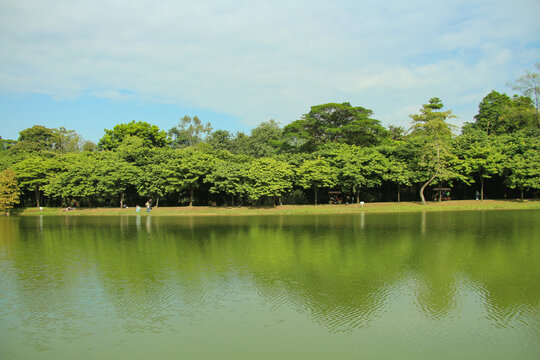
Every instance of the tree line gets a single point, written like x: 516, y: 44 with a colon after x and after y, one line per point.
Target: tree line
x: 335, y: 152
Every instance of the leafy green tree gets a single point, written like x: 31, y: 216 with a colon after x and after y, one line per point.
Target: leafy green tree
x: 316, y: 174
x: 32, y: 174
x: 489, y: 112
x: 35, y: 139
x: 7, y: 157
x: 75, y: 177
x: 483, y: 156
x: 9, y: 190
x: 66, y: 140
x: 229, y: 178
x: 524, y: 171
x: 517, y: 115
x: 397, y: 133
x: 522, y: 163
x: 240, y: 144
x: 400, y: 156
x: 529, y: 85
x: 103, y: 175
x: 333, y: 123
x: 151, y: 135
x: 189, y: 132
x: 133, y: 150
x: 499, y: 114
x: 220, y: 140
x: 116, y: 176
x: 152, y: 179
x: 88, y: 145
x: 399, y: 173
x: 431, y: 128
x: 265, y: 139
x: 187, y: 169
x: 40, y: 138
x: 268, y: 177
x: 43, y: 137
x: 357, y: 168
x: 6, y: 144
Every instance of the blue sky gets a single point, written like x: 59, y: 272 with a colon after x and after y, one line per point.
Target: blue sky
x: 89, y: 65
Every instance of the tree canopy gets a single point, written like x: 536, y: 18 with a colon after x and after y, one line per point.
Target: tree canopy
x: 334, y: 122
x: 151, y: 135
x: 9, y: 190
x: 335, y: 148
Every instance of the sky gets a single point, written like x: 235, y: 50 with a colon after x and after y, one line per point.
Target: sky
x: 89, y: 65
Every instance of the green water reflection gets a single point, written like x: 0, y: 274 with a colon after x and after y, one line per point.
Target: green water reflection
x: 417, y: 285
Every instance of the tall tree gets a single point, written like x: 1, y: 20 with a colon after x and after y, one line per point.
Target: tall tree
x: 220, y: 140
x: 92, y: 174
x: 489, y: 112
x: 151, y: 135
x: 357, y: 168
x: 399, y: 173
x: 240, y: 144
x: 35, y: 139
x: 76, y: 177
x: 522, y: 163
x: 32, y: 174
x: 66, y: 140
x: 518, y: 115
x: 435, y: 134
x: 483, y: 156
x: 333, y: 123
x: 529, y: 85
x: 316, y: 174
x: 9, y: 190
x: 152, y: 179
x: 189, y: 132
x: 265, y: 139
x: 229, y: 178
x: 268, y: 177
x: 524, y: 171
x: 187, y: 169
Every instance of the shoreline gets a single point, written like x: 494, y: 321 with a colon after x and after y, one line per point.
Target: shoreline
x: 453, y: 205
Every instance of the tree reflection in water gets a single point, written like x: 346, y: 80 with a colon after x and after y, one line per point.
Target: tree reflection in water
x: 341, y: 271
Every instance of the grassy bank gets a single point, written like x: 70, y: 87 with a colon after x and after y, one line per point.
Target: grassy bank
x: 295, y: 209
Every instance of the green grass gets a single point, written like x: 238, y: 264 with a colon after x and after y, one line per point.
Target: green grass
x: 455, y: 205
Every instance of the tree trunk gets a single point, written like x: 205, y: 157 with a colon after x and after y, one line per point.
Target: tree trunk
x: 36, y: 190
x: 398, y: 193
x: 358, y: 196
x: 191, y: 197
x: 521, y: 190
x: 316, y: 194
x: 424, y: 186
x: 232, y: 200
x: 157, y: 200
x: 481, y: 188
x: 122, y: 200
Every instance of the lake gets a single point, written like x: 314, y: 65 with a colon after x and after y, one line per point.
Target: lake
x: 432, y: 285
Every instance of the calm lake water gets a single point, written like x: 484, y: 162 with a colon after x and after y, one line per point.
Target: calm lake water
x: 441, y: 285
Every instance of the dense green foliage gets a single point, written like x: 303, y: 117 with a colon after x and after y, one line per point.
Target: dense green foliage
x: 9, y: 190
x: 334, y: 147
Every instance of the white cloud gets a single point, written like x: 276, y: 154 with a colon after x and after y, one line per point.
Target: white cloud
x: 258, y: 60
